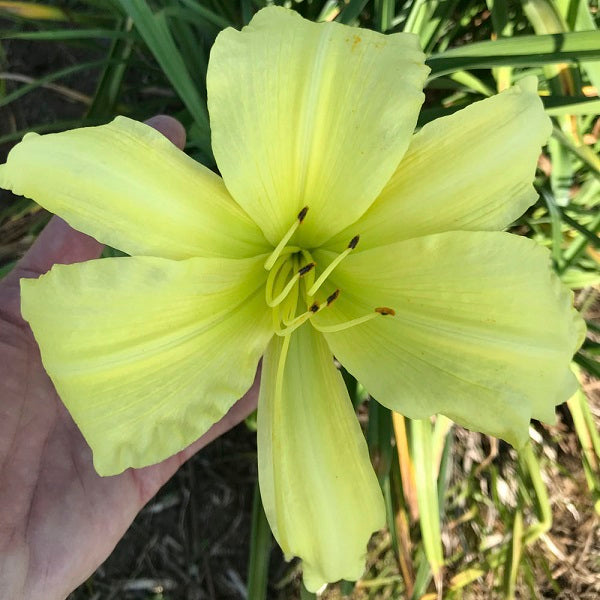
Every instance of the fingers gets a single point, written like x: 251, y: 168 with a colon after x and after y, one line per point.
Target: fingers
x: 150, y: 479
x: 58, y: 243
x: 171, y: 128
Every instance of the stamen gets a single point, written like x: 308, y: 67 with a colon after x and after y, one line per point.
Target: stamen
x: 285, y: 239
x: 281, y: 267
x: 281, y: 368
x: 294, y: 324
x: 290, y: 284
x: 306, y: 268
x: 334, y: 263
x: 333, y: 297
x: 381, y: 311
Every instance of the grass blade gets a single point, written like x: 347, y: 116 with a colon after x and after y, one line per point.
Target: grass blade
x: 156, y: 33
x: 46, y: 79
x: 108, y: 89
x: 421, y: 445
x: 589, y: 440
x: 407, y: 470
x: 260, y: 550
x: 56, y: 35
x: 528, y: 50
x: 352, y: 11
x: 31, y: 10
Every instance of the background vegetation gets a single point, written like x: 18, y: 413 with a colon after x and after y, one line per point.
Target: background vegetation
x: 468, y: 517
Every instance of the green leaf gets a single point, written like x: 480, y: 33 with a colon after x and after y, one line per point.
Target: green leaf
x: 351, y: 11
x: 109, y: 87
x: 260, y: 550
x: 421, y: 440
x: 528, y: 50
x: 571, y: 105
x: 56, y: 35
x: 155, y: 31
x: 24, y: 89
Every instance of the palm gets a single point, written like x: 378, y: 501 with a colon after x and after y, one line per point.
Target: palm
x: 51, y: 500
x: 58, y: 519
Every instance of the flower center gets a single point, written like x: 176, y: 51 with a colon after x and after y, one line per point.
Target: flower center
x: 291, y: 282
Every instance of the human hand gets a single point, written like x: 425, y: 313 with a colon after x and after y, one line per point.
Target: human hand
x: 59, y: 520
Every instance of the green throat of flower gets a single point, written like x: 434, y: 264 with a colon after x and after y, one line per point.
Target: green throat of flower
x: 291, y: 283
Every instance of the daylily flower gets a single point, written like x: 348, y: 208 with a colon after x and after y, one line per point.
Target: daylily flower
x: 332, y: 231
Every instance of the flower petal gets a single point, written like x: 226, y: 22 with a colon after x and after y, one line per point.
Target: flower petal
x: 484, y: 331
x: 128, y: 186
x: 319, y: 491
x: 470, y: 171
x: 147, y: 353
x: 315, y: 114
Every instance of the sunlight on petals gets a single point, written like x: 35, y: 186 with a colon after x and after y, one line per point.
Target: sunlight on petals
x: 306, y: 113
x: 128, y: 186
x: 470, y: 171
x: 484, y: 331
x: 319, y: 491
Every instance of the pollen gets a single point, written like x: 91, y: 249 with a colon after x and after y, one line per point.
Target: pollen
x: 334, y: 263
x: 285, y: 239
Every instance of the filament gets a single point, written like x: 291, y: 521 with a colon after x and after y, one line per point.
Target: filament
x: 334, y: 263
x: 281, y: 367
x: 285, y: 239
x: 381, y: 311
x: 274, y: 274
x: 290, y: 284
x: 311, y: 312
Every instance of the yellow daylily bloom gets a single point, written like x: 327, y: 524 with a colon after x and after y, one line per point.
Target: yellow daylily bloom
x: 333, y: 230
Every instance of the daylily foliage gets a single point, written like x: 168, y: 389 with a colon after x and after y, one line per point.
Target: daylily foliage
x: 332, y: 231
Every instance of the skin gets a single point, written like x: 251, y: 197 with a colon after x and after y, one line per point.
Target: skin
x: 58, y: 519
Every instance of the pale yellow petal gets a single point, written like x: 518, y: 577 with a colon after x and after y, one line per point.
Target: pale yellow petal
x: 310, y: 114
x: 147, y: 353
x: 127, y: 185
x: 484, y: 331
x: 319, y: 491
x: 470, y: 171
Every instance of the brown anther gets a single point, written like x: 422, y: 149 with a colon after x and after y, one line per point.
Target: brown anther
x: 353, y: 242
x: 302, y: 214
x: 314, y: 308
x: 384, y: 310
x: 333, y: 296
x: 306, y: 269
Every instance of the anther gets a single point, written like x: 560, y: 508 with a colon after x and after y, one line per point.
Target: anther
x: 314, y: 308
x: 302, y: 214
x: 289, y: 285
x: 333, y: 297
x: 334, y: 263
x: 382, y: 310
x: 285, y: 239
x: 354, y: 242
x: 306, y: 269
